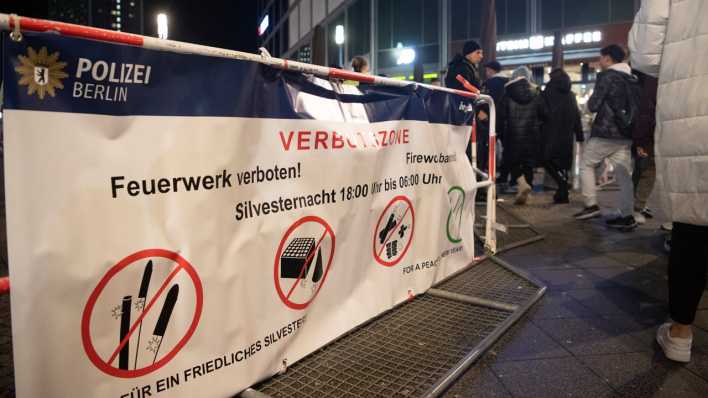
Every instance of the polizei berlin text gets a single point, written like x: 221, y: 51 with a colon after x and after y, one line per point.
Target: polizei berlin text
x: 116, y: 74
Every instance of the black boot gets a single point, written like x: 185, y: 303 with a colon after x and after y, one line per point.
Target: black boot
x: 562, y: 196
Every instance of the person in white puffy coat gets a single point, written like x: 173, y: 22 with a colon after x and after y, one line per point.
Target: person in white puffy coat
x: 669, y: 40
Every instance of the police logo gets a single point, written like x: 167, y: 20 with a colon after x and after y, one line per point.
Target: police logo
x: 40, y: 72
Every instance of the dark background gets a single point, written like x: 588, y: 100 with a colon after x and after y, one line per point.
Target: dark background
x: 226, y: 24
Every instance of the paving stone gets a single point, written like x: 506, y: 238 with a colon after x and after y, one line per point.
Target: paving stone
x: 567, y: 279
x: 703, y: 305
x: 643, y: 330
x: 627, y: 277
x: 597, y: 260
x: 526, y: 341
x: 658, y: 267
x: 559, y: 304
x: 591, y: 336
x: 631, y: 303
x: 478, y: 382
x: 646, y: 375
x: 701, y: 319
x: 634, y: 257
x: 535, y: 260
x: 548, y: 378
x: 699, y: 354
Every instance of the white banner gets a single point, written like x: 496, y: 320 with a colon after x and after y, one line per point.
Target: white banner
x: 195, y: 255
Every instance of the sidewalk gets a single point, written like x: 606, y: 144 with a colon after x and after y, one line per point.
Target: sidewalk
x: 592, y: 335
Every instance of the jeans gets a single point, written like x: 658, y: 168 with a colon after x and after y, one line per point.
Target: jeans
x: 618, y: 152
x: 688, y: 262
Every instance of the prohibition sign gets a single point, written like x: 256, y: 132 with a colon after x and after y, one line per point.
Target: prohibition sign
x: 306, y: 265
x: 182, y: 265
x: 398, y: 228
x: 454, y: 217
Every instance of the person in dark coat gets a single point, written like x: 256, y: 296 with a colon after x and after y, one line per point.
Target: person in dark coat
x: 644, y: 173
x: 561, y: 127
x: 494, y: 87
x: 467, y: 66
x: 520, y: 114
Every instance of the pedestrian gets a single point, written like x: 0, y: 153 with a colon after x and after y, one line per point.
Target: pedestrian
x: 466, y: 65
x: 615, y: 101
x: 643, y: 140
x: 668, y: 41
x: 494, y: 87
x: 561, y: 128
x: 519, y: 121
x: 360, y: 64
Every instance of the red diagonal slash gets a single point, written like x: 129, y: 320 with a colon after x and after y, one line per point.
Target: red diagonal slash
x: 307, y: 260
x: 145, y: 312
x: 398, y: 226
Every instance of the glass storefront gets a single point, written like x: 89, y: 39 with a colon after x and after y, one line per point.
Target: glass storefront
x: 410, y: 33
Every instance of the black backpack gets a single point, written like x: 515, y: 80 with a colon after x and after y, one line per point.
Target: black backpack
x: 627, y: 114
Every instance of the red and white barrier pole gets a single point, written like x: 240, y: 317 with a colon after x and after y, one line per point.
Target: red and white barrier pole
x: 25, y: 24
x: 490, y: 227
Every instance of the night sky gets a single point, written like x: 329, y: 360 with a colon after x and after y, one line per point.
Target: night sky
x: 226, y: 24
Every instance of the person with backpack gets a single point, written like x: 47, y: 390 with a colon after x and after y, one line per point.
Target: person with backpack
x: 615, y: 100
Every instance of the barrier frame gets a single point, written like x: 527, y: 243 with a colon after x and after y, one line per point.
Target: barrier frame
x: 17, y: 24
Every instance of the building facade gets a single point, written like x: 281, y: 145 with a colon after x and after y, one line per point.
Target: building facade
x: 395, y: 35
x: 119, y: 15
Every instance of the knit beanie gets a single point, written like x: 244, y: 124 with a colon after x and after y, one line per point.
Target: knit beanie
x: 470, y: 47
x: 521, y: 71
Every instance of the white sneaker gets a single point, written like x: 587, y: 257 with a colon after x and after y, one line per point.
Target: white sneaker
x: 675, y: 348
x: 667, y: 226
x: 639, y: 218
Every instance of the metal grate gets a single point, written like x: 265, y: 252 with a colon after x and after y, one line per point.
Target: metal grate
x: 402, y: 353
x: 519, y: 231
x: 493, y: 282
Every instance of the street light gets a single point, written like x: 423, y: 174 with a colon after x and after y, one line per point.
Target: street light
x: 339, y: 39
x: 404, y: 56
x: 162, y: 26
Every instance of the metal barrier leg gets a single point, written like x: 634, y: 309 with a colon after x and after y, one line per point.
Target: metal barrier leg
x: 479, y: 301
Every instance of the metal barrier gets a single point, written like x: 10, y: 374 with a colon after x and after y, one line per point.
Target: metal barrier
x: 514, y: 230
x: 414, y: 348
x: 420, y: 347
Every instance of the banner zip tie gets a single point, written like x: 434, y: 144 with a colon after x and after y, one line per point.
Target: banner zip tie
x: 16, y: 34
